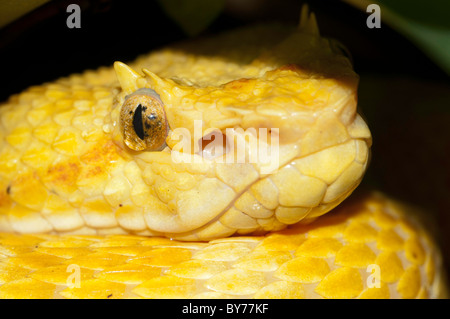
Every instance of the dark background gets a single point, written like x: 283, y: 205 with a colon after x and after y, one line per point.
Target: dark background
x: 40, y: 47
x: 403, y: 94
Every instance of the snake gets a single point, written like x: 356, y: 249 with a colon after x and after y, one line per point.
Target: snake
x: 219, y: 167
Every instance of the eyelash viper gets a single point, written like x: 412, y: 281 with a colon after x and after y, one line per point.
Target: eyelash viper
x: 94, y: 202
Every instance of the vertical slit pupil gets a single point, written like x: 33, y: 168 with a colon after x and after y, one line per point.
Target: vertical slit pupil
x: 137, y: 122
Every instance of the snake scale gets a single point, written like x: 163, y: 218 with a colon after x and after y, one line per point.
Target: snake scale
x: 99, y: 200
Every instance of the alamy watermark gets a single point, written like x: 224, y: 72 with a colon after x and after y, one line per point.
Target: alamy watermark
x: 374, y: 279
x: 74, y: 279
x: 74, y: 19
x: 374, y: 19
x: 259, y: 146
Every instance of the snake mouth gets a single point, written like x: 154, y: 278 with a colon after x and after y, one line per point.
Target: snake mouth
x: 259, y: 147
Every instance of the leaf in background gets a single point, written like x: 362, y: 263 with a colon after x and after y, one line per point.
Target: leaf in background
x: 193, y: 16
x: 425, y: 23
x: 11, y: 10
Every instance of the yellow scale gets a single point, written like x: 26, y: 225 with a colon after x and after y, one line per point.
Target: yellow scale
x: 330, y: 258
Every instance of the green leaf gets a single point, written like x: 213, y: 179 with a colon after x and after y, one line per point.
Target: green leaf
x: 425, y: 23
x: 193, y: 16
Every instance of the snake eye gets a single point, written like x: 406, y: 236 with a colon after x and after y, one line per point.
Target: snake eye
x: 143, y: 121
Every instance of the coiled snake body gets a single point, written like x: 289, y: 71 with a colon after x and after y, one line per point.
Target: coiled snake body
x: 98, y: 199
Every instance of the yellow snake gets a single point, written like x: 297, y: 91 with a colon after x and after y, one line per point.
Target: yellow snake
x: 99, y: 200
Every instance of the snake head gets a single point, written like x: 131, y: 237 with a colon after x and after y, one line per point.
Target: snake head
x: 223, y: 147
